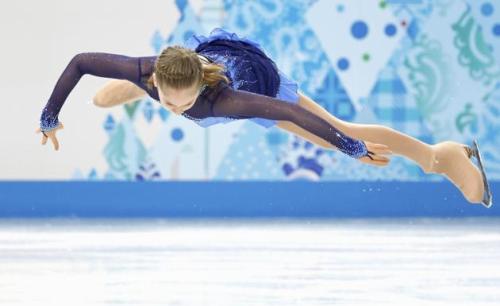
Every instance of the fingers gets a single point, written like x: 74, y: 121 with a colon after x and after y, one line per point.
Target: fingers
x: 54, y: 141
x: 380, y: 158
x: 381, y: 149
x: 44, y: 137
x: 376, y: 160
x: 378, y: 148
x: 379, y: 163
x: 51, y: 135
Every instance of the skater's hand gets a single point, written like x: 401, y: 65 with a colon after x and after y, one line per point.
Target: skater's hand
x: 376, y: 154
x: 50, y: 134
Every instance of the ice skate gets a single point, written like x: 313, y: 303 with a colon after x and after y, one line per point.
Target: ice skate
x: 453, y: 160
x: 487, y: 200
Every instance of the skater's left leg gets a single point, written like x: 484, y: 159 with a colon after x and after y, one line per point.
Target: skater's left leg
x: 448, y: 158
x: 398, y: 143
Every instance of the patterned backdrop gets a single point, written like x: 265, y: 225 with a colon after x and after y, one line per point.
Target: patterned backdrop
x: 430, y: 69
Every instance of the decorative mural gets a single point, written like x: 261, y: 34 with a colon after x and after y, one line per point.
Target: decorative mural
x: 427, y: 68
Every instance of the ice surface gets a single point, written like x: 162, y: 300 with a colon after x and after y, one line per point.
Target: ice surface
x: 243, y: 262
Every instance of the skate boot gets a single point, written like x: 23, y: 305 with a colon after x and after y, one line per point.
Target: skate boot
x: 453, y: 160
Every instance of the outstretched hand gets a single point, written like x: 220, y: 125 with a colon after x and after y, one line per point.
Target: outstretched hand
x: 50, y: 134
x: 376, y: 154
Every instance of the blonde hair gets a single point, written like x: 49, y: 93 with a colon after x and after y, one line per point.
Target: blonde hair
x: 180, y: 67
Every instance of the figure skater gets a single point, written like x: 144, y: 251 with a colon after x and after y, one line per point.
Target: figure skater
x: 223, y: 77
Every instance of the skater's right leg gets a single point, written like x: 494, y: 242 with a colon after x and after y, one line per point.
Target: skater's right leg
x: 117, y: 92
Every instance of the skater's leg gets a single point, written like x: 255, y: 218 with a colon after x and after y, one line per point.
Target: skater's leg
x: 304, y: 134
x: 447, y: 158
x: 117, y: 92
x: 398, y: 143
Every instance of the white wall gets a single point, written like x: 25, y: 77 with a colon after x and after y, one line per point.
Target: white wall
x: 39, y: 38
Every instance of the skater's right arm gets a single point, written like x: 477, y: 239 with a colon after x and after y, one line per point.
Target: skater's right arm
x: 100, y: 64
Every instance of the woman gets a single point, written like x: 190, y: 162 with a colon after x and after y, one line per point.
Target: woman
x: 222, y: 77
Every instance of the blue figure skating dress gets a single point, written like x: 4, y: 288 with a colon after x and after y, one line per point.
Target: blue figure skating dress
x: 248, y: 67
x: 257, y: 91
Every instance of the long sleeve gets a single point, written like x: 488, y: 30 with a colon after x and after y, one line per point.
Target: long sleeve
x: 224, y: 101
x: 95, y: 63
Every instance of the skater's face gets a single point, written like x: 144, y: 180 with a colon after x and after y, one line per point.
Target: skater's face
x: 177, y: 100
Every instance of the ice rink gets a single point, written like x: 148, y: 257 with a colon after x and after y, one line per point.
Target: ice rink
x: 248, y: 262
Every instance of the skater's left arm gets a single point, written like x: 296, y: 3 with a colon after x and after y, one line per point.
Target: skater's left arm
x: 243, y: 104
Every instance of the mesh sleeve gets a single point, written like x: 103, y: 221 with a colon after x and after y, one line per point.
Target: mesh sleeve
x: 243, y: 104
x: 95, y: 63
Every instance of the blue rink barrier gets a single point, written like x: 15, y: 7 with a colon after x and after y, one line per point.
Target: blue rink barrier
x: 194, y: 199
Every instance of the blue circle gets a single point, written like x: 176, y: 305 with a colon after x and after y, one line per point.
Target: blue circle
x: 496, y: 29
x: 390, y: 29
x: 177, y: 134
x: 340, y: 8
x: 487, y: 9
x: 343, y: 63
x: 359, y: 29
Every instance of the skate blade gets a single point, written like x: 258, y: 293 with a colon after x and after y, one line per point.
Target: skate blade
x: 487, y: 197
